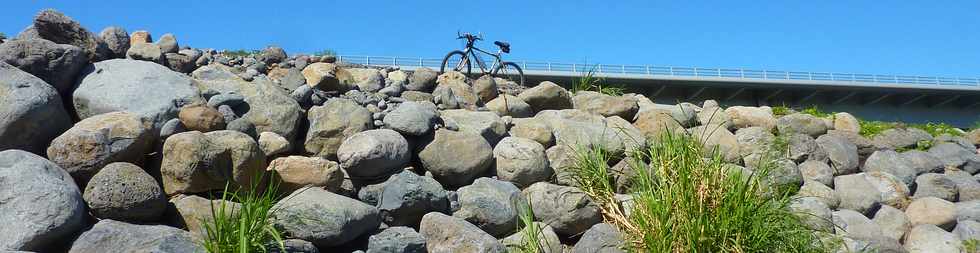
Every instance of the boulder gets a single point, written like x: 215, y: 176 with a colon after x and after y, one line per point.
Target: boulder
x: 194, y: 212
x: 124, y: 237
x: 412, y: 118
x: 367, y: 79
x: 521, y: 161
x: 896, y: 138
x: 272, y: 54
x: 605, y: 105
x: 179, y: 62
x: 936, y: 185
x: 292, y: 246
x: 406, y: 197
x: 823, y: 193
x: 802, y: 124
x: 146, y: 52
x: 746, y: 116
x: 857, y: 193
x: 120, y: 85
x: 717, y: 139
x: 508, y: 105
x: 445, y: 233
x: 684, y: 113
x: 491, y: 205
x: 100, y: 140
x: 754, y: 140
x: 654, y: 123
x: 323, y: 218
x: 266, y: 106
x: 472, y: 157
x: 801, y: 147
x: 373, y: 153
x: 328, y: 77
x: 601, y: 238
x: 198, y: 117
x: 273, y: 144
x: 140, y: 36
x: 954, y: 156
x: 534, y: 129
x: 891, y: 189
x: 453, y: 92
x: 841, y: 152
x: 893, y: 222
x: 33, y: 114
x: 485, y: 88
x: 922, y: 162
x: 332, y: 123
x: 56, y: 64
x: 561, y: 158
x: 967, y: 230
x: 548, y: 241
x: 813, y: 213
x: 124, y: 192
x: 565, y: 208
x: 930, y: 238
x: 714, y: 115
x: 52, y: 25
x: 891, y: 162
x: 932, y: 211
x: 41, y: 203
x: 116, y: 40
x: 547, y: 96
x: 967, y: 186
x: 855, y: 225
x: 396, y: 240
x: 973, y: 136
x: 846, y: 122
x: 197, y: 162
x: 296, y: 172
x: 968, y: 210
x: 422, y: 79
x: 168, y: 43
x: 576, y: 128
x: 817, y: 171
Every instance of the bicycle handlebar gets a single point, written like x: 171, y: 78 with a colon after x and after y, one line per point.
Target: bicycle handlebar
x: 469, y: 36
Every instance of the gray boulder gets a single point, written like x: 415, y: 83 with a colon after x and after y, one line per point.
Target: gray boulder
x: 823, y: 193
x: 936, y: 185
x: 717, y: 139
x: 373, y: 153
x: 933, y: 211
x: 33, y: 112
x: 508, y: 105
x: 817, y: 171
x: 269, y: 108
x: 491, y: 205
x: 922, y: 162
x: 367, y: 79
x: 445, y: 233
x: 41, y: 203
x: 99, y: 140
x: 842, y: 153
x: 967, y: 230
x: 955, y: 156
x: 422, y: 79
x: 605, y: 105
x: 197, y: 162
x: 121, y: 85
x: 52, y: 25
x: 521, y: 161
x: 547, y: 96
x: 193, y: 212
x: 895, y: 138
x: 601, y: 238
x: 565, y: 208
x: 967, y: 185
x: 472, y: 157
x: 116, y: 40
x: 123, y: 191
x: 486, y: 124
x: 332, y: 123
x: 111, y: 235
x: 857, y: 193
x: 747, y: 116
x: 893, y: 222
x: 891, y: 189
x: 968, y: 210
x: 930, y: 238
x: 396, y: 240
x: 56, y: 64
x: 802, y: 124
x: 802, y: 147
x: 754, y: 140
x: 406, y: 197
x: 323, y: 218
x: 412, y: 118
x: 272, y: 54
x: 146, y: 52
x: 891, y: 162
x: 548, y: 241
x: 534, y: 129
x: 813, y: 213
x: 855, y: 225
x: 168, y: 43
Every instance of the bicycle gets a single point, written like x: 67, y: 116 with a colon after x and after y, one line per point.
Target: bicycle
x: 502, y: 69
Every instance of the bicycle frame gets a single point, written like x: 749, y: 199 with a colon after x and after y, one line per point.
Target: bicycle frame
x: 469, y: 52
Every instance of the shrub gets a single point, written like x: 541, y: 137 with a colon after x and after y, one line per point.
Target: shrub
x: 247, y: 229
x: 590, y: 82
x: 815, y: 111
x: 684, y: 202
x: 781, y: 110
x: 325, y: 52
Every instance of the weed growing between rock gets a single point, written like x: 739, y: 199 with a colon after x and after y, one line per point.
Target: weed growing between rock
x: 531, y: 232
x: 590, y: 82
x: 246, y: 229
x: 685, y: 201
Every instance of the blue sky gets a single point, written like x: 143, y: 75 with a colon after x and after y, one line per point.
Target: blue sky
x: 878, y: 37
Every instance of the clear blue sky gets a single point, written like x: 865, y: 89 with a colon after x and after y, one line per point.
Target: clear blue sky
x: 878, y: 37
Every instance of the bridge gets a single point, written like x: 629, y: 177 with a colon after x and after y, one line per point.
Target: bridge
x: 913, y: 99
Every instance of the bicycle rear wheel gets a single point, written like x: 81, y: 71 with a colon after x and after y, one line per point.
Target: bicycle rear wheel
x: 456, y: 61
x: 509, y: 71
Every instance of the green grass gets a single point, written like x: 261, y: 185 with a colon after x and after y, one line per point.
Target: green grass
x: 531, y: 231
x: 241, y: 52
x: 815, y: 111
x: 937, y: 129
x: 684, y: 202
x: 971, y: 246
x: 870, y: 128
x: 590, y: 82
x: 781, y: 110
x: 248, y: 228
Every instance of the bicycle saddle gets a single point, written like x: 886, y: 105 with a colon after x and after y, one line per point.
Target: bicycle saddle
x: 504, y: 46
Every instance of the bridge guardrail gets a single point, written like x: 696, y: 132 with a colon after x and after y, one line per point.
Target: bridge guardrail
x: 736, y: 73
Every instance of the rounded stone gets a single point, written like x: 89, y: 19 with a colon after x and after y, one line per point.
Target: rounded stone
x: 521, y: 161
x: 123, y: 191
x: 373, y: 153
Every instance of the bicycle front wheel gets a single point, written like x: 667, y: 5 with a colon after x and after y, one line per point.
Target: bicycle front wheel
x: 456, y: 61
x: 509, y: 71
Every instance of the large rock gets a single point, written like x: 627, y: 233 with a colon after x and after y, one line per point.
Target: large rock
x: 491, y: 205
x: 367, y: 79
x: 422, y: 79
x: 273, y: 144
x: 266, y: 106
x: 802, y: 124
x: 123, y: 191
x: 472, y: 157
x: 548, y: 241
x: 746, y: 116
x: 296, y: 172
x: 967, y: 230
x: 576, y: 128
x: 802, y: 147
x: 56, y: 64
x: 198, y: 162
x: 933, y: 211
x: 754, y: 140
x: 813, y: 213
x: 605, y: 105
x: 968, y: 210
x: 857, y: 193
x: 41, y: 203
x: 716, y: 139
x: 712, y: 114
x: 406, y: 197
x: 565, y: 208
x: 895, y: 138
x: 396, y: 240
x: 967, y: 186
x: 52, y: 25
x: 822, y: 192
x: 855, y: 225
x: 891, y: 189
x: 332, y: 123
x: 445, y: 233
x: 891, y: 162
x: 521, y: 161
x: 33, y: 114
x: 116, y: 40
x: 817, y: 171
x: 846, y: 122
x: 601, y: 238
x: 955, y: 156
x: 194, y: 212
x: 654, y: 123
x: 116, y: 236
x: 547, y: 96
x: 534, y: 129
x: 893, y: 222
x: 453, y: 92
x: 373, y: 153
x: 146, y: 52
x: 412, y: 118
x: 327, y: 77
x: 121, y: 85
x: 508, y: 105
x: 323, y: 218
x: 936, y: 185
x: 922, y: 162
x: 199, y: 117
x: 168, y: 43
x: 100, y: 140
x: 929, y: 238
x: 272, y: 54
x: 973, y: 136
x: 842, y: 153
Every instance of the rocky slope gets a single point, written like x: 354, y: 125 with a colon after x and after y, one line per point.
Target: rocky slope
x: 113, y: 142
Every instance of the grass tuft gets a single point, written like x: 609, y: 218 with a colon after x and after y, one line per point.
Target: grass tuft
x: 815, y: 111
x: 937, y: 129
x: 248, y: 228
x: 590, y: 82
x: 870, y: 128
x: 684, y: 202
x: 781, y: 110
x: 531, y: 231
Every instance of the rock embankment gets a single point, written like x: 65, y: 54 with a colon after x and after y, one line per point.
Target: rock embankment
x: 99, y: 134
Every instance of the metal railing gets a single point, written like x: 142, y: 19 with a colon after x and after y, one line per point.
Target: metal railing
x: 735, y: 73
